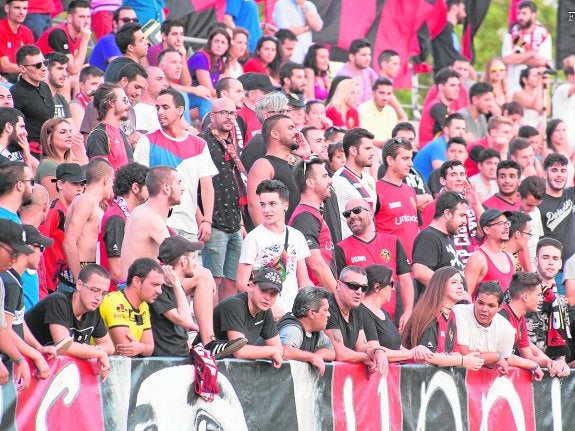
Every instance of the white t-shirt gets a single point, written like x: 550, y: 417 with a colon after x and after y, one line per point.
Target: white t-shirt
x: 262, y: 248
x: 146, y: 118
x: 563, y: 107
x: 497, y: 337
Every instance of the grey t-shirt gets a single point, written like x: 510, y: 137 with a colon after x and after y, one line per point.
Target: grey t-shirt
x: 477, y: 128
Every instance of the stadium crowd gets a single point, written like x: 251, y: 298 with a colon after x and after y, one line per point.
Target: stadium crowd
x: 246, y: 193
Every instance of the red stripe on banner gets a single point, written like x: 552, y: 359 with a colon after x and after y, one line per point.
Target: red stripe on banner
x: 68, y: 399
x: 355, y: 21
x: 500, y: 402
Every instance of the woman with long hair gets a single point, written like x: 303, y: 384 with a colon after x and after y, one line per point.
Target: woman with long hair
x: 432, y: 323
x: 266, y: 59
x: 378, y: 323
x: 495, y: 74
x: 56, y: 137
x: 238, y: 52
x: 207, y: 65
x: 342, y: 107
x: 316, y: 64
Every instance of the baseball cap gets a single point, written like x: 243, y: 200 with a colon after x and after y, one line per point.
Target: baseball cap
x: 13, y: 234
x: 295, y: 100
x: 258, y: 81
x: 491, y: 214
x: 71, y: 172
x: 268, y: 278
x: 34, y: 237
x: 175, y: 246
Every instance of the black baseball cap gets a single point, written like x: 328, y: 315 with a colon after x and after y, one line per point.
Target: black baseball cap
x: 491, y: 214
x: 175, y: 246
x: 268, y: 278
x: 71, y: 172
x: 13, y: 234
x: 296, y: 100
x: 258, y: 81
x: 34, y: 237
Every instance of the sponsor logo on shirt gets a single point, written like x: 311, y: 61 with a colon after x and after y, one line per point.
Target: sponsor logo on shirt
x: 355, y: 259
x: 395, y: 205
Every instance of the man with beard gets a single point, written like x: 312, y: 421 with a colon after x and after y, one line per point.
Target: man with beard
x: 527, y: 43
x: 233, y: 89
x: 396, y: 209
x: 16, y: 181
x: 32, y: 96
x: 292, y: 78
x: 281, y: 138
x: 482, y: 102
x: 507, y: 199
x: 557, y: 208
x: 106, y: 140
x: 84, y: 218
x: 222, y: 250
x: 130, y: 191
x: 434, y: 247
x: 491, y: 262
x: 173, y: 146
x: 366, y: 247
x: 14, y: 138
x: 358, y: 67
x: 314, y: 185
x: 57, y: 78
x: 170, y: 313
x: 146, y: 227
x: 352, y: 181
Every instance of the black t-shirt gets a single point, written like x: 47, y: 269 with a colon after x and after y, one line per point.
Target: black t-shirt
x: 443, y: 50
x: 254, y: 150
x: 170, y: 339
x: 558, y: 220
x: 57, y: 309
x: 61, y: 107
x: 113, y: 235
x: 435, y: 250
x: 14, y: 300
x: 36, y: 103
x: 113, y: 69
x: 232, y: 314
x: 384, y: 331
x: 441, y: 335
x: 226, y: 216
x: 349, y: 330
x: 332, y: 218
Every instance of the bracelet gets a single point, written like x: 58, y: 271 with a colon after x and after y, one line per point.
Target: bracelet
x: 462, y: 360
x: 499, y: 356
x: 18, y: 360
x: 206, y: 221
x: 534, y: 368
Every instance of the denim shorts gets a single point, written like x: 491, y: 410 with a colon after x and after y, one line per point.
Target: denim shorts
x: 222, y: 253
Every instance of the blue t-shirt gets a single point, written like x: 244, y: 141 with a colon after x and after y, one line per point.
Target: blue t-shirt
x: 30, y: 284
x: 434, y: 150
x: 146, y: 9
x: 4, y: 213
x: 246, y: 15
x: 104, y: 49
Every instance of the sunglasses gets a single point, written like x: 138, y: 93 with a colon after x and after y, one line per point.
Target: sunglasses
x: 32, y: 181
x: 356, y: 210
x: 126, y: 20
x: 497, y: 69
x: 39, y: 64
x: 356, y: 286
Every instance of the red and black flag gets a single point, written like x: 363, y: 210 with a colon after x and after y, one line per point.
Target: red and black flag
x: 476, y: 11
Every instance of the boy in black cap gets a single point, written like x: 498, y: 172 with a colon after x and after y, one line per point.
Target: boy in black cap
x: 490, y: 262
x: 14, y: 302
x: 70, y: 182
x: 12, y: 244
x: 170, y: 313
x: 248, y: 314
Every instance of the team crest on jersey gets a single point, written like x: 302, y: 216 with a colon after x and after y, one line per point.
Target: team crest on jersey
x: 385, y: 255
x: 451, y: 335
x: 413, y: 203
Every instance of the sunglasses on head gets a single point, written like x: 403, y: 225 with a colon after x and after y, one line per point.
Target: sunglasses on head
x: 355, y: 286
x: 356, y: 210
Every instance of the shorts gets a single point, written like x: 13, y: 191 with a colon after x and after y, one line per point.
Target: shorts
x: 221, y: 254
x: 190, y: 237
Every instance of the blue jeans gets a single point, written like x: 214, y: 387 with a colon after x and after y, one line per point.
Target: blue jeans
x: 221, y: 254
x: 203, y: 105
x: 38, y: 23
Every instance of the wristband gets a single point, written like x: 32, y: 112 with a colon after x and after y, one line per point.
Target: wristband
x: 534, y: 368
x: 499, y: 356
x: 206, y: 221
x: 462, y: 360
x: 18, y: 360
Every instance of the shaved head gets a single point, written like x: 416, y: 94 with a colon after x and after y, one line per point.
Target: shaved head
x: 223, y: 103
x: 357, y: 202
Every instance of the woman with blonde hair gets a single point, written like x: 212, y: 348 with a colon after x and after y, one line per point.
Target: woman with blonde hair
x: 57, y: 138
x: 342, y: 105
x: 432, y: 323
x: 495, y: 74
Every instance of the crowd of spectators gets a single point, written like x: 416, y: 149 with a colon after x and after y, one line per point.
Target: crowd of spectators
x: 278, y: 209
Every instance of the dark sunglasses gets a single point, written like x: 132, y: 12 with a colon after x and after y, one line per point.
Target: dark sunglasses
x: 127, y: 20
x: 355, y: 286
x: 39, y: 64
x: 356, y: 210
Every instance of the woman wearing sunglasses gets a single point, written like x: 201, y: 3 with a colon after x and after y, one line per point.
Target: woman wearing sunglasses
x: 432, y: 324
x: 495, y: 74
x: 378, y: 324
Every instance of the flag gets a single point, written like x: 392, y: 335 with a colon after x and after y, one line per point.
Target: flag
x: 565, y: 45
x: 476, y: 11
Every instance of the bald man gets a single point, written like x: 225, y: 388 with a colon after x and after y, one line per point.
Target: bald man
x: 35, y: 210
x: 146, y: 112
